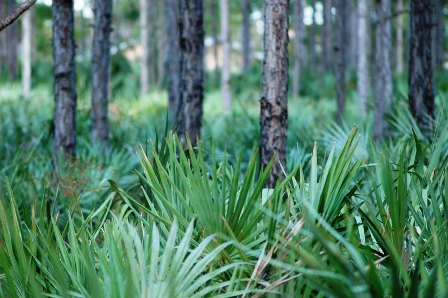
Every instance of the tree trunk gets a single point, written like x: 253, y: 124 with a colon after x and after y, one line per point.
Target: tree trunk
x: 226, y: 48
x: 340, y: 56
x: 64, y: 78
x: 421, y: 77
x: 214, y: 30
x: 383, y: 67
x: 352, y: 36
x: 399, y: 47
x: 161, y: 45
x: 246, y: 35
x: 274, y: 101
x: 144, y: 43
x: 100, y: 70
x: 192, y: 72
x: 299, y: 28
x: 174, y: 64
x: 11, y: 43
x: 153, y: 52
x: 27, y: 27
x: 363, y: 54
x: 313, y: 40
x: 326, y: 38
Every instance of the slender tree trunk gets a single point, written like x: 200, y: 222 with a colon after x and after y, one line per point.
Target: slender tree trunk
x: 174, y: 64
x: 352, y: 36
x: 153, y: 49
x: 340, y: 56
x: 27, y: 24
x: 11, y: 44
x: 421, y: 77
x: 363, y: 54
x: 299, y: 28
x: 226, y: 48
x: 100, y: 70
x: 327, y: 52
x: 383, y: 66
x: 161, y: 45
x: 64, y: 78
x: 274, y: 102
x: 246, y: 35
x: 214, y: 30
x: 192, y: 72
x: 399, y: 47
x: 313, y: 40
x: 144, y: 42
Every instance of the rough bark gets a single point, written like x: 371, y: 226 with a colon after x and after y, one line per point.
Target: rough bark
x: 246, y: 8
x: 274, y: 101
x: 100, y: 70
x: 399, y: 47
x: 421, y: 77
x: 174, y: 63
x: 383, y: 66
x: 13, y: 15
x: 327, y: 36
x: 363, y: 67
x: 226, y: 52
x: 144, y: 43
x: 192, y: 78
x: 27, y: 24
x: 64, y: 78
x: 299, y: 28
x: 340, y: 56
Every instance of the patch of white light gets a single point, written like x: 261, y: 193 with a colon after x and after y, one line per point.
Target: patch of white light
x: 79, y: 5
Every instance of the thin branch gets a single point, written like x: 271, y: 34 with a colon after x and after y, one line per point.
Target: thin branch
x: 24, y: 6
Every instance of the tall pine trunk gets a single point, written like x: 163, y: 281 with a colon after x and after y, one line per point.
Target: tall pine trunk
x: 27, y: 27
x: 421, y: 77
x: 313, y: 40
x: 192, y: 71
x: 214, y: 10
x: 299, y: 27
x: 363, y: 67
x: 327, y: 53
x: 100, y: 70
x: 64, y: 78
x: 174, y: 63
x: 340, y: 56
x: 226, y: 49
x: 144, y: 43
x: 246, y: 8
x: 383, y: 66
x: 274, y: 101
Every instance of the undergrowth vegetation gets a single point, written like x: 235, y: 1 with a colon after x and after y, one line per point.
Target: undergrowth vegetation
x: 147, y: 218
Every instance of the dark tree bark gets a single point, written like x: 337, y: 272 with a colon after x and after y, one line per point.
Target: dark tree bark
x: 100, y: 70
x: 64, y: 78
x: 340, y: 56
x: 192, y: 72
x: 9, y: 18
x: 421, y: 77
x: 246, y: 35
x: 327, y: 53
x: 383, y: 67
x: 299, y: 49
x: 174, y: 63
x: 274, y: 101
